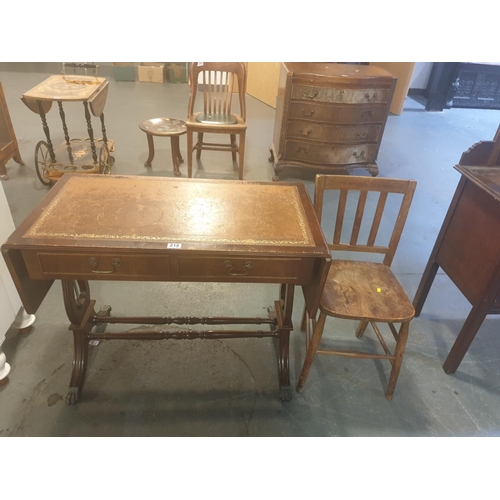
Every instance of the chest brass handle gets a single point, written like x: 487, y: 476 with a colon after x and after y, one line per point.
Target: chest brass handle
x: 94, y: 263
x: 302, y: 147
x: 359, y: 155
x: 373, y: 98
x: 367, y: 113
x: 229, y: 266
x: 308, y: 131
x: 307, y: 114
x: 363, y: 135
x: 311, y: 95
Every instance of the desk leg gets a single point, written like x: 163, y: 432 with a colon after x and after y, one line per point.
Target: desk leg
x: 79, y: 309
x: 465, y: 337
x: 284, y: 310
x: 425, y: 285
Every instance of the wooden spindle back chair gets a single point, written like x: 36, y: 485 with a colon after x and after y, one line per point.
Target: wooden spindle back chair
x: 219, y: 83
x: 364, y: 291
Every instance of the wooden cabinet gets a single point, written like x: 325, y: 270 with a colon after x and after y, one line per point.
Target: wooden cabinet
x: 330, y: 118
x: 8, y: 141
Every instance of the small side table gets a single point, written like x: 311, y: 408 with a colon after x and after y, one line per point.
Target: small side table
x: 165, y: 127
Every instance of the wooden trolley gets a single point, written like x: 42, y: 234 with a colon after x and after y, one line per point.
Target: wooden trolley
x: 82, y: 153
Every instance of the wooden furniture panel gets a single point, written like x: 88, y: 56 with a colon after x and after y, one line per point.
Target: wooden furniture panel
x: 8, y: 142
x: 337, y: 98
x: 468, y: 250
x: 148, y: 229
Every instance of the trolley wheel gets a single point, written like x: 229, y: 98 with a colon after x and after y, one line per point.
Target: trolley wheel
x: 42, y: 163
x: 105, y: 160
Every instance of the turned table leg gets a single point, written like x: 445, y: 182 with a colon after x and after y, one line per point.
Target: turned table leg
x: 176, y: 154
x: 151, y: 150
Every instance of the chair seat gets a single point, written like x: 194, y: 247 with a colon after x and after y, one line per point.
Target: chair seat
x: 199, y: 121
x: 217, y: 118
x: 365, y: 290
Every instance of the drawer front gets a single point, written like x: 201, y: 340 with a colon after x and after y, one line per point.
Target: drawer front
x: 343, y: 96
x: 97, y: 266
x: 337, y: 154
x: 244, y: 269
x: 333, y: 133
x: 337, y: 114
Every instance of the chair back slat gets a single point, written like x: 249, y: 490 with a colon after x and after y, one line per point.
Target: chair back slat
x: 359, y: 216
x: 218, y: 82
x: 340, y: 217
x: 377, y: 218
x: 362, y: 186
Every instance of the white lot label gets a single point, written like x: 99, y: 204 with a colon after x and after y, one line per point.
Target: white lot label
x: 174, y: 245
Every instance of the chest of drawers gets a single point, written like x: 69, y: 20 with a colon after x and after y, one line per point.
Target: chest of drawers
x: 330, y: 118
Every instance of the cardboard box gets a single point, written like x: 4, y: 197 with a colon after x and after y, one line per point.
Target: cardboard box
x: 124, y: 71
x: 151, y: 72
x: 177, y: 72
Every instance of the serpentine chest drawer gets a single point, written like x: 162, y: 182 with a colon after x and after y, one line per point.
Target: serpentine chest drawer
x: 330, y: 118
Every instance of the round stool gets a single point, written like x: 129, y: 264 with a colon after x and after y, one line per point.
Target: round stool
x: 165, y: 127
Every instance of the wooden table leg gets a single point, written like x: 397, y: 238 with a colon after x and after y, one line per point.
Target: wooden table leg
x: 151, y: 151
x: 284, y: 310
x: 176, y: 154
x: 465, y: 337
x: 79, y: 309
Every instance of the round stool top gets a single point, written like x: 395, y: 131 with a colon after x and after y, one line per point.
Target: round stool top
x: 163, y: 126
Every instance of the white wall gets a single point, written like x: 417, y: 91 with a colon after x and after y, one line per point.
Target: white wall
x: 421, y: 75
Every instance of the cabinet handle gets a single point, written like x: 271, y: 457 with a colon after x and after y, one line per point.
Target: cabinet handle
x: 373, y: 98
x: 363, y: 135
x: 94, y: 263
x: 301, y: 147
x: 367, y: 113
x: 307, y: 114
x: 359, y: 155
x: 308, y: 131
x: 229, y: 266
x: 311, y: 95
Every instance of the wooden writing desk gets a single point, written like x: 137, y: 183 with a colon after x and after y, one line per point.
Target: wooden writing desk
x: 468, y: 251
x: 133, y: 228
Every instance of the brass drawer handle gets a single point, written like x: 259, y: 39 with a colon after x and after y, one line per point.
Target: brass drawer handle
x: 369, y: 113
x: 363, y: 135
x: 229, y: 266
x: 94, y: 263
x: 307, y: 114
x: 311, y: 95
x: 302, y: 147
x: 359, y: 155
x: 308, y: 131
x: 373, y: 98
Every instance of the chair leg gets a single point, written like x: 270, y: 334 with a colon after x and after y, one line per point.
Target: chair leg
x: 361, y: 328
x: 311, y: 350
x: 190, y: 152
x: 242, y: 155
x: 396, y: 367
x: 198, y: 150
x: 234, y: 146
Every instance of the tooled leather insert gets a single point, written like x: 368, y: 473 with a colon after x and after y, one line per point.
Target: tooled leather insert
x: 143, y: 209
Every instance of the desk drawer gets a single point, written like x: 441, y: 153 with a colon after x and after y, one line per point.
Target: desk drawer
x: 333, y: 133
x: 337, y: 114
x: 344, y: 96
x: 336, y: 154
x: 244, y: 269
x: 97, y: 265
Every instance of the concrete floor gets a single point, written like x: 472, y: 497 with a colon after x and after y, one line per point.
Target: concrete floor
x: 230, y: 388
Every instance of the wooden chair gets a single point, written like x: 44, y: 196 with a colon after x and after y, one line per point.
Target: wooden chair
x: 359, y: 290
x: 216, y: 117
